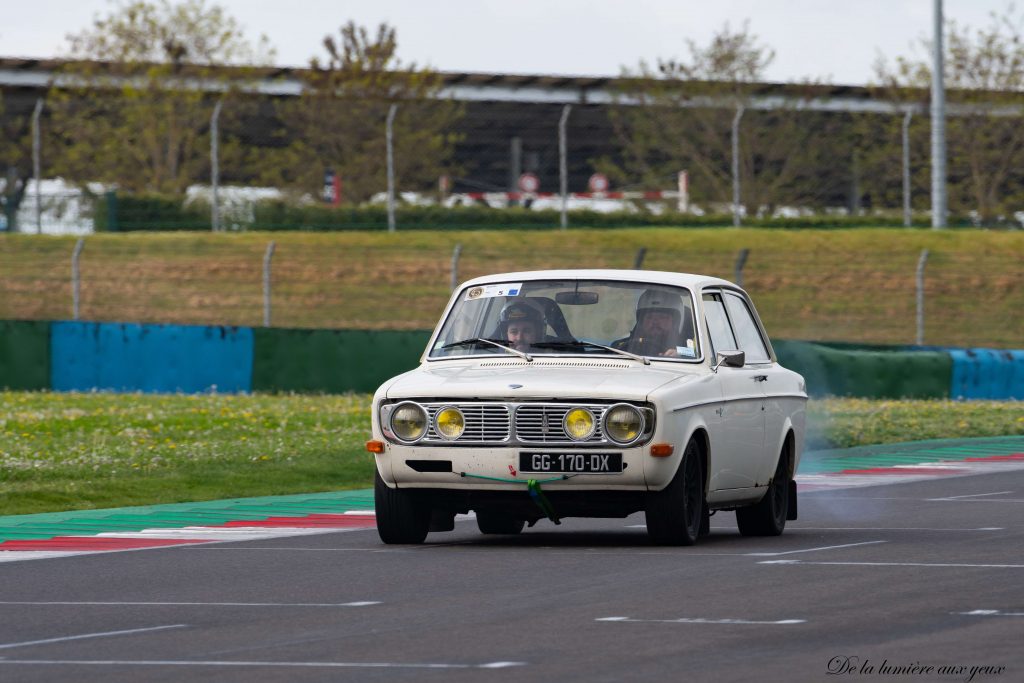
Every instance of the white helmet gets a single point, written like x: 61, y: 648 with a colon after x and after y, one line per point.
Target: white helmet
x: 660, y: 300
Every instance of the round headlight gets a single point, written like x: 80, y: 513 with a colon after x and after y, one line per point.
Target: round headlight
x: 449, y: 423
x: 579, y: 424
x: 623, y: 424
x: 409, y: 422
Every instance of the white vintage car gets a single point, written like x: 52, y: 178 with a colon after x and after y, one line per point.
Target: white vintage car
x: 591, y: 393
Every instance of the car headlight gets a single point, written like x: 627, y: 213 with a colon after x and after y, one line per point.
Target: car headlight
x: 409, y: 422
x: 579, y: 424
x: 623, y: 424
x: 449, y: 423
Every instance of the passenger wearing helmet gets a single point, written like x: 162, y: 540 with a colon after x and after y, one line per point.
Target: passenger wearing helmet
x: 659, y: 317
x: 521, y: 324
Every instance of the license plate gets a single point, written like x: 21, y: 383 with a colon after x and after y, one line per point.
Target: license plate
x: 570, y: 463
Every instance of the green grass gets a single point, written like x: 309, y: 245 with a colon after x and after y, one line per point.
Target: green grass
x: 852, y: 285
x: 849, y: 422
x: 63, y: 451
x: 67, y: 451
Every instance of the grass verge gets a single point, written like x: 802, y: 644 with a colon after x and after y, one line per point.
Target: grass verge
x: 64, y: 451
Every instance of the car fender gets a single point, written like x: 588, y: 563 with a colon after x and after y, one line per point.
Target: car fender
x: 780, y: 441
x: 677, y: 428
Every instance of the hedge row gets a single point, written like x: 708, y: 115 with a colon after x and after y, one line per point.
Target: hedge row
x: 154, y: 212
x: 125, y: 213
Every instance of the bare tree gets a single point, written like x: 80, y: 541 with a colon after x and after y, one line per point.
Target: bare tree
x: 984, y: 72
x: 679, y: 116
x: 338, y: 123
x: 15, y: 162
x: 133, y: 107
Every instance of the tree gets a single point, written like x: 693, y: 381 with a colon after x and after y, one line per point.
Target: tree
x: 984, y: 78
x: 680, y: 114
x: 15, y: 163
x: 338, y: 122
x: 133, y: 108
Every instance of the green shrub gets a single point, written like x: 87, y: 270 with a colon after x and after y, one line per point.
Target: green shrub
x: 158, y: 212
x: 125, y: 213
x: 280, y: 215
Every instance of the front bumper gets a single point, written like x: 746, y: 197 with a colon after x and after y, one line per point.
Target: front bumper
x: 411, y: 467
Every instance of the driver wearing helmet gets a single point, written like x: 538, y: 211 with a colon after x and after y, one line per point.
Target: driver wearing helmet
x: 659, y: 315
x: 521, y: 324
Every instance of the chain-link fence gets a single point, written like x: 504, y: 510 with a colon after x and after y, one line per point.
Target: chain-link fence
x: 969, y: 295
x: 249, y: 161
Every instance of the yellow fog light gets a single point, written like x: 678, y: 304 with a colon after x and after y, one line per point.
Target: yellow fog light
x: 623, y: 424
x: 409, y: 422
x: 450, y: 423
x: 579, y: 424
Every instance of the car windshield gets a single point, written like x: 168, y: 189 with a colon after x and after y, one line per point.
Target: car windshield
x: 571, y: 317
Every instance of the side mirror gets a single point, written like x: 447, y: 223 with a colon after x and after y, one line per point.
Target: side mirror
x: 732, y: 358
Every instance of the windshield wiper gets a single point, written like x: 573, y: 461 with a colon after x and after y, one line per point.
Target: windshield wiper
x: 591, y: 345
x: 493, y: 342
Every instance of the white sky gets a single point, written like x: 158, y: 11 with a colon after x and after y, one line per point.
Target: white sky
x: 835, y: 40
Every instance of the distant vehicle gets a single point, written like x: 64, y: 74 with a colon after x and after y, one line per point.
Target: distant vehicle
x: 591, y: 393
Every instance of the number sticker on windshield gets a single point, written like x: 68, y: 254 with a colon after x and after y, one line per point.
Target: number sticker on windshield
x: 487, y: 291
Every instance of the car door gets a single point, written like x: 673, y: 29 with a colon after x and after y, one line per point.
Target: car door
x: 739, y: 443
x: 766, y: 376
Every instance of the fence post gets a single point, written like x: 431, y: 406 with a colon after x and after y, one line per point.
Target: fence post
x: 921, y: 261
x: 266, y: 283
x: 906, y: 168
x: 215, y: 167
x: 110, y: 196
x: 456, y: 253
x: 563, y: 166
x: 515, y: 163
x: 938, y: 112
x: 37, y: 163
x: 683, y: 202
x: 640, y: 254
x: 76, y: 279
x: 389, y: 137
x: 741, y: 261
x: 736, y: 166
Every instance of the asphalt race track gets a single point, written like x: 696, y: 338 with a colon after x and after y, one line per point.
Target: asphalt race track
x: 929, y: 573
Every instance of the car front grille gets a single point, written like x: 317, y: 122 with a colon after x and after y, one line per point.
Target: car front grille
x: 542, y: 424
x: 485, y: 422
x: 526, y: 424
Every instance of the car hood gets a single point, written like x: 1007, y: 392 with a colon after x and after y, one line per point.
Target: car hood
x: 541, y: 379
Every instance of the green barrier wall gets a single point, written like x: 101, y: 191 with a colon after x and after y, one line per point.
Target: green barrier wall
x: 24, y: 355
x: 872, y: 374
x: 333, y: 361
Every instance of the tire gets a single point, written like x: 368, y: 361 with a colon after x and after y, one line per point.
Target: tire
x: 676, y: 514
x: 401, y: 517
x: 705, y: 521
x: 768, y: 517
x: 497, y: 523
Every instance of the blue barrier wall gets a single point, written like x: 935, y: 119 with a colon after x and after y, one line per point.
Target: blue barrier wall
x: 987, y: 374
x: 82, y: 356
x: 150, y: 358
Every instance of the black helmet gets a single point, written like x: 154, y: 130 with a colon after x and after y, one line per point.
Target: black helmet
x: 519, y: 311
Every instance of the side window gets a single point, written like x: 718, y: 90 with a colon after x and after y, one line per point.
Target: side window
x: 722, y: 337
x: 746, y: 329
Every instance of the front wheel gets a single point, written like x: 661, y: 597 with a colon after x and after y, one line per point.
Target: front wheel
x: 768, y: 517
x: 676, y: 514
x: 401, y: 516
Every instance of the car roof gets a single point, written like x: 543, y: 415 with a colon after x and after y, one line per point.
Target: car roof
x: 688, y: 280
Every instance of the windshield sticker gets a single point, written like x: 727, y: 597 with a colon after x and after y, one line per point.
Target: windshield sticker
x: 487, y: 291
